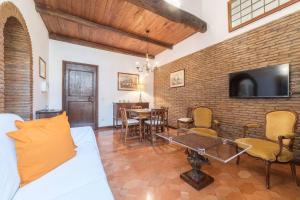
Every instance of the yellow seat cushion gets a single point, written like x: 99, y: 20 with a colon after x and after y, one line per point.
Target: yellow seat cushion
x: 43, y: 148
x: 265, y: 149
x: 37, y: 122
x: 205, y: 131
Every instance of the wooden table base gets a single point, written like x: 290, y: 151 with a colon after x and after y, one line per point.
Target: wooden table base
x: 196, y: 177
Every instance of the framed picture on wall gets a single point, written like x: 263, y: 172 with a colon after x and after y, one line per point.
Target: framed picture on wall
x: 42, y: 68
x: 177, y: 79
x: 128, y: 82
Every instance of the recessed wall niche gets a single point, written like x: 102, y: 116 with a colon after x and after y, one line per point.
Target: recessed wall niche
x: 15, y: 63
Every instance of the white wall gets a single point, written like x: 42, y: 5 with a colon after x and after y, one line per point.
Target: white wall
x: 109, y: 65
x: 214, y: 12
x: 40, y: 46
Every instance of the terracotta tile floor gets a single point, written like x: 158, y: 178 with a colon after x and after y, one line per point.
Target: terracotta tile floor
x: 140, y: 171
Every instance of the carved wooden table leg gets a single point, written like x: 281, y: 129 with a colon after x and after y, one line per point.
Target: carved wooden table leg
x: 196, y: 177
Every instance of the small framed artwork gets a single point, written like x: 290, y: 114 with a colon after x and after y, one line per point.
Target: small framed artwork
x: 177, y: 79
x: 42, y: 68
x: 128, y: 82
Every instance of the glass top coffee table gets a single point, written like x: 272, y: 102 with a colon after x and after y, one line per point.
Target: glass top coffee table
x: 199, y: 149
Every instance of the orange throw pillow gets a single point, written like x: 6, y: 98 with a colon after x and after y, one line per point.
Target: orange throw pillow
x: 42, y: 149
x: 37, y: 122
x: 60, y: 120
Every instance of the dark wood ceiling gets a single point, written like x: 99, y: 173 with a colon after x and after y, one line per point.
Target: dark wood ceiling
x: 115, y: 25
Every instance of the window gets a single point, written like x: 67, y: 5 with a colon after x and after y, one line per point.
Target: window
x: 244, y: 12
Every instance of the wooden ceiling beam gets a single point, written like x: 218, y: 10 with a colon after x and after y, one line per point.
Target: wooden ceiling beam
x: 81, y: 42
x: 85, y: 22
x: 171, y: 13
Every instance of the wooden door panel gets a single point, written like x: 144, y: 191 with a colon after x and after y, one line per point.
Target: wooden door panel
x: 81, y: 83
x: 77, y: 113
x: 80, y: 96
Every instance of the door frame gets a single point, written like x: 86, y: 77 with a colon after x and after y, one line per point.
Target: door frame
x: 64, y: 63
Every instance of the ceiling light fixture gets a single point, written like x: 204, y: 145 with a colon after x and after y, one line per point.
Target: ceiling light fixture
x: 147, y: 66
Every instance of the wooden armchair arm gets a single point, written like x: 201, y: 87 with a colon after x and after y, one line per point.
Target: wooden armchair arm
x: 248, y: 126
x: 252, y: 125
x: 217, y: 123
x: 281, y: 144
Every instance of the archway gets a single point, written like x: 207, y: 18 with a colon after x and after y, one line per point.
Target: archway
x: 16, y: 63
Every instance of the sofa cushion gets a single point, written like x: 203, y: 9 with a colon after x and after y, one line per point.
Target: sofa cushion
x: 93, y: 191
x: 83, y: 135
x: 31, y: 123
x: 85, y: 168
x: 9, y: 178
x: 42, y: 149
x: 38, y: 122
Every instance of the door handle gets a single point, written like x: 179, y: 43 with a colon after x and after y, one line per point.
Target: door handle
x: 91, y: 99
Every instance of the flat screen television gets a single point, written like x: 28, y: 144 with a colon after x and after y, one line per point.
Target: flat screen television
x: 266, y: 82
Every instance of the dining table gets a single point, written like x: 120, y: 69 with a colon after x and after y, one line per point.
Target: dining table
x: 140, y: 115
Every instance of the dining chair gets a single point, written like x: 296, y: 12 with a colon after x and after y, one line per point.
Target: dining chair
x: 131, y: 116
x: 188, y: 120
x: 130, y: 126
x: 156, y: 123
x: 166, y: 117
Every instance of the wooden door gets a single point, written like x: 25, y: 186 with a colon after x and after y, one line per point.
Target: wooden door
x: 80, y: 96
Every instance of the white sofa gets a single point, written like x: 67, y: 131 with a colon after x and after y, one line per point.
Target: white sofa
x: 81, y: 178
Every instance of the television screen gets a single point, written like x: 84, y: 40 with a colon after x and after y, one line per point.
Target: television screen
x: 271, y: 81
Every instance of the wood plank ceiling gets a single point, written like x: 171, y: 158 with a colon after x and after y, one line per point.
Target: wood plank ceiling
x: 117, y: 25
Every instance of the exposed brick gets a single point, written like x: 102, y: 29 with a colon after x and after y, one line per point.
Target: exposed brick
x: 207, y: 83
x: 15, y: 63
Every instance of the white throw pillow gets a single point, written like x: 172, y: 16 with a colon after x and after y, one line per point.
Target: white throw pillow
x: 9, y: 177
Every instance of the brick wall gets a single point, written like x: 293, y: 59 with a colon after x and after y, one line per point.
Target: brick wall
x: 206, y: 73
x: 15, y: 63
x: 1, y: 73
x: 17, y: 74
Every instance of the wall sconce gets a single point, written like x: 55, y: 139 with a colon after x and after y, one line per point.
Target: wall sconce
x: 44, y: 87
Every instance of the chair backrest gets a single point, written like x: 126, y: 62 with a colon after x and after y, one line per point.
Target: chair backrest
x: 166, y: 112
x: 189, y: 112
x: 157, y: 117
x: 136, y: 107
x: 280, y: 123
x: 9, y: 176
x: 124, y: 117
x: 202, y: 117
